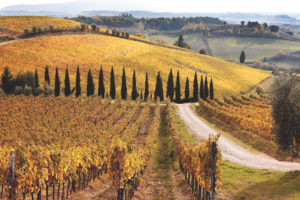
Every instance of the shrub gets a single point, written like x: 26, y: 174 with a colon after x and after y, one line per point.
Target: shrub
x: 46, y: 29
x: 24, y: 78
x: 82, y: 27
x: 51, y: 27
x: 34, y: 29
x: 26, y: 31
x: 140, y: 35
x: 127, y: 35
x: 39, y: 30
x: 260, y: 90
x: 107, y: 31
x: 93, y: 27
x: 37, y: 91
x: 27, y: 90
x: 19, y: 90
x: 202, y: 51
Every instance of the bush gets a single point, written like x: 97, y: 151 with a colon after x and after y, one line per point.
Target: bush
x: 39, y: 30
x: 260, y: 90
x: 202, y: 51
x: 82, y: 27
x: 93, y: 27
x: 34, y: 29
x: 24, y: 78
x: 19, y: 90
x: 140, y: 35
x: 127, y: 35
x: 51, y: 27
x: 37, y: 91
x: 26, y: 31
x: 27, y: 90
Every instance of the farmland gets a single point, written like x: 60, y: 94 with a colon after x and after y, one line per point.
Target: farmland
x: 92, y: 51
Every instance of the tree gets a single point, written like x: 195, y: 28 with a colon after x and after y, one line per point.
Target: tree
x: 141, y: 94
x: 47, y: 77
x: 177, y: 88
x: 202, y: 94
x: 205, y: 88
x: 158, y: 88
x: 170, y: 86
x: 211, y: 89
x: 180, y: 41
x: 78, y: 87
x: 286, y: 111
x: 202, y: 51
x: 134, y: 93
x: 124, y: 87
x: 101, y: 88
x: 242, y: 57
x: 57, y: 83
x: 36, y: 79
x: 7, y: 81
x: 67, y: 83
x: 112, y: 84
x: 195, y: 88
x: 146, y: 94
x: 90, y: 87
x: 187, y: 89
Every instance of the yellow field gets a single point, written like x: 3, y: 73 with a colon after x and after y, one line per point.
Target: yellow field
x: 18, y: 23
x: 91, y: 51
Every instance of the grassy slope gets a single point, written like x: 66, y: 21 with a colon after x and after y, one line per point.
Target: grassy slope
x: 91, y: 51
x: 229, y: 48
x: 18, y: 23
x: 239, y: 182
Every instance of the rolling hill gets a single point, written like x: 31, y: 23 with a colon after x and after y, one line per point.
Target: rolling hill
x: 91, y: 51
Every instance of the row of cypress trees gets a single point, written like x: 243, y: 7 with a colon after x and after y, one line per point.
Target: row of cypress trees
x: 204, y: 91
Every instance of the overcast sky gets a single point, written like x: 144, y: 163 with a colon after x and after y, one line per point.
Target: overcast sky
x: 268, y: 6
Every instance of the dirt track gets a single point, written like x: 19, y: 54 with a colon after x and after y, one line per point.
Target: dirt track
x: 230, y: 150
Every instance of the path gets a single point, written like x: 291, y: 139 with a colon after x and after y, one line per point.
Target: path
x: 205, y: 42
x: 230, y: 150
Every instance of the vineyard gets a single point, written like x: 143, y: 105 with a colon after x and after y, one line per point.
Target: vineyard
x: 252, y: 114
x: 66, y: 142
x: 17, y: 24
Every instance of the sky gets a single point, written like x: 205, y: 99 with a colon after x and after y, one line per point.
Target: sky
x: 259, y: 6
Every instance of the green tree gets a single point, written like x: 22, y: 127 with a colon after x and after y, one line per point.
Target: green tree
x: 195, y: 88
x: 211, y: 88
x: 158, y: 88
x: 134, y: 93
x: 187, y: 89
x: 101, y: 88
x: 78, y: 87
x: 7, y: 81
x: 146, y: 94
x: 47, y: 77
x: 177, y: 88
x: 202, y: 89
x: 90, y: 87
x: 67, y: 83
x: 180, y: 41
x: 36, y: 79
x: 205, y: 88
x: 202, y: 51
x: 124, y: 86
x: 57, y: 83
x: 242, y: 57
x: 170, y: 86
x: 112, y: 84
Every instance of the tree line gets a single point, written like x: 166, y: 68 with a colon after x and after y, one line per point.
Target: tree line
x: 203, y: 90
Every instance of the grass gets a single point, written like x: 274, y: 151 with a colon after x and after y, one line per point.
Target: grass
x: 18, y: 23
x: 229, y: 48
x: 92, y: 51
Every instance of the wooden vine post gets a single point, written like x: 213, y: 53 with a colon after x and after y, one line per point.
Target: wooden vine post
x: 213, y: 171
x: 10, y: 181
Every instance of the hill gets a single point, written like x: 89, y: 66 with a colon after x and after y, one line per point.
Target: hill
x: 16, y: 24
x: 92, y: 51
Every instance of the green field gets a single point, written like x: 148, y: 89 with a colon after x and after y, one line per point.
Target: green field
x: 229, y: 48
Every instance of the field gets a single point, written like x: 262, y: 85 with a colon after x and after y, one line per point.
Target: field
x: 229, y: 48
x: 17, y: 24
x: 92, y: 51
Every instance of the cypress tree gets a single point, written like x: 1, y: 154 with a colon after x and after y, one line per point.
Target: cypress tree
x: 201, y: 88
x: 205, y: 88
x: 187, y: 89
x: 124, y: 87
x: 7, y: 81
x: 101, y: 88
x: 146, y: 94
x: 57, y: 84
x: 134, y: 93
x: 161, y: 89
x: 195, y: 88
x: 36, y: 79
x: 78, y: 87
x: 47, y: 77
x: 112, y: 84
x: 158, y: 88
x: 170, y: 86
x: 90, y: 88
x: 67, y: 83
x: 242, y: 57
x: 211, y: 88
x: 177, y: 88
x: 141, y: 94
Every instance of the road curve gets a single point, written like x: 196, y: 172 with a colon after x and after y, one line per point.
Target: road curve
x: 230, y: 150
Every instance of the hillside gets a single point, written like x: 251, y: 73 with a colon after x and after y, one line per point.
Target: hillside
x: 92, y: 51
x: 16, y: 24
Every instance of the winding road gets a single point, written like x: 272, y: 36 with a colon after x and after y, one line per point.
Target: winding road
x: 230, y: 150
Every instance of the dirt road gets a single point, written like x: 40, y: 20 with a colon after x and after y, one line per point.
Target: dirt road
x: 230, y: 150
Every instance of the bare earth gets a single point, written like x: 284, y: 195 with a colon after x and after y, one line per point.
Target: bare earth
x: 230, y: 150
